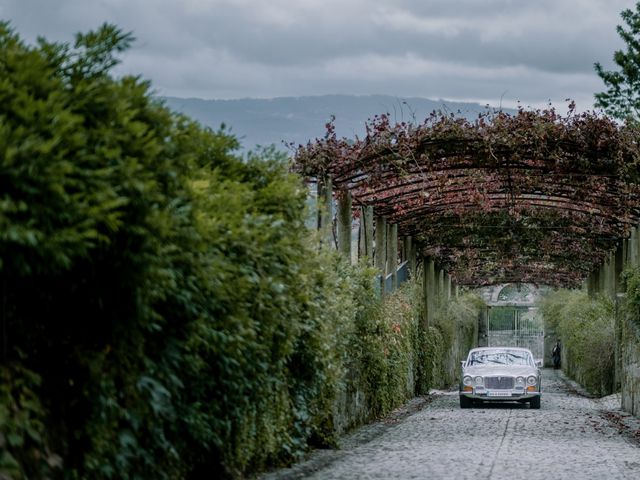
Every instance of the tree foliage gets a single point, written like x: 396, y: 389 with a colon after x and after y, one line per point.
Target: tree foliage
x: 143, y: 266
x: 164, y: 313
x: 622, y: 97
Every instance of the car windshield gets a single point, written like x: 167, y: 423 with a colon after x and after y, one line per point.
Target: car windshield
x: 499, y: 357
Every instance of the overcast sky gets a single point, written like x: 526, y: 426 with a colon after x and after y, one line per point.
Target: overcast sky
x: 532, y: 51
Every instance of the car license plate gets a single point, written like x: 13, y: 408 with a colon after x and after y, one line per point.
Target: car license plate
x: 499, y: 394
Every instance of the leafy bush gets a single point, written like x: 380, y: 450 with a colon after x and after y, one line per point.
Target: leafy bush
x: 165, y: 313
x: 383, y: 350
x: 455, y: 323
x: 586, y: 329
x: 152, y: 280
x: 24, y: 451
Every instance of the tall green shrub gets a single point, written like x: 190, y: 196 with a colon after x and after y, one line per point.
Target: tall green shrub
x: 165, y: 314
x: 586, y: 328
x: 455, y: 324
x: 157, y: 284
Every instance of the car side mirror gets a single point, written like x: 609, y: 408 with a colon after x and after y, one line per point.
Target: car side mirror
x: 538, y: 363
x: 463, y: 363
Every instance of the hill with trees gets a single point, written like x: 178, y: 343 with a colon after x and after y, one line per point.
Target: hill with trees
x: 297, y: 120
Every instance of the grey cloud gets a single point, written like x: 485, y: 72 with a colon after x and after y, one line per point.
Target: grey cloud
x: 461, y: 49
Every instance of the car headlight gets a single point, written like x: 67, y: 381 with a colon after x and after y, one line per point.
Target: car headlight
x: 467, y: 381
x: 478, y: 381
x: 532, y: 380
x: 520, y: 381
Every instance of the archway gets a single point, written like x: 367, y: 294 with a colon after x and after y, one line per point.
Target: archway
x: 512, y: 318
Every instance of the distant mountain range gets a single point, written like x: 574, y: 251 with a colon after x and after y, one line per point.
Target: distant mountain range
x: 300, y: 119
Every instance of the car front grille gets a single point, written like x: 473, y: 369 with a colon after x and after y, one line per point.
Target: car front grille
x: 499, y: 383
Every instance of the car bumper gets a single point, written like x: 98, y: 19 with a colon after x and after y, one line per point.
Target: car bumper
x: 500, y: 395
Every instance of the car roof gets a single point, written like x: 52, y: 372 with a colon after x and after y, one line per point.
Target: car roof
x: 481, y: 349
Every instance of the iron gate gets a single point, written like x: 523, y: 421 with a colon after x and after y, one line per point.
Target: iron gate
x: 515, y: 327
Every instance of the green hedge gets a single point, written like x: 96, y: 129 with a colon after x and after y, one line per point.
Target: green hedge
x: 155, y: 286
x: 391, y: 358
x: 165, y: 314
x: 453, y: 333
x: 586, y: 328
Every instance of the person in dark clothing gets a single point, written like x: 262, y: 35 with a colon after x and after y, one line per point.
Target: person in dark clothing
x: 555, y: 354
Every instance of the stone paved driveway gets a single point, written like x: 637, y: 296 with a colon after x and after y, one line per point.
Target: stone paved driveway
x: 568, y: 438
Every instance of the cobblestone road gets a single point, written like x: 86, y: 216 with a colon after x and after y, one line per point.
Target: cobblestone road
x: 570, y: 437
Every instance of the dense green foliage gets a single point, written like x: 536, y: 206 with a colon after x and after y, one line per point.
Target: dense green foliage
x: 143, y: 267
x: 631, y: 277
x: 164, y: 313
x: 585, y: 327
x: 453, y: 334
x: 622, y: 98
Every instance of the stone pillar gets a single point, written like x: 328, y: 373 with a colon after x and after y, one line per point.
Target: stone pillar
x: 432, y: 290
x: 601, y: 275
x: 611, y: 276
x: 406, y: 248
x: 392, y: 255
x: 428, y: 290
x: 618, y: 268
x: 632, y: 249
x: 592, y: 284
x: 412, y: 258
x: 366, y: 234
x: 325, y: 210
x: 447, y: 287
x: 344, y: 224
x: 381, y: 250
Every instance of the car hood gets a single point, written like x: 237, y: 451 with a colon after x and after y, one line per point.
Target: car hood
x: 515, y: 370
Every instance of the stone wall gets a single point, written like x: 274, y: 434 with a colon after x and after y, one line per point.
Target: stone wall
x: 629, y: 364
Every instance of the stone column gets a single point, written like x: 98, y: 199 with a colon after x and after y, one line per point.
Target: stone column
x: 325, y: 210
x: 344, y: 224
x: 432, y: 290
x: 412, y: 258
x: 392, y: 255
x: 632, y: 247
x: 381, y: 250
x: 428, y: 289
x: 618, y: 268
x: 366, y: 234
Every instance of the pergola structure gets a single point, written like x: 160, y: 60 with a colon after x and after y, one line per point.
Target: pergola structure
x: 531, y: 197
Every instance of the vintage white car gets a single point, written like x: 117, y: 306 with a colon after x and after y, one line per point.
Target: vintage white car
x: 502, y: 374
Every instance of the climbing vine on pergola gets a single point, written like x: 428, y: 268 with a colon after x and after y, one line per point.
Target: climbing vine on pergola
x: 530, y: 197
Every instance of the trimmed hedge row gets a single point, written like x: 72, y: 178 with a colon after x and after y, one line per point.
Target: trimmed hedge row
x: 586, y: 328
x: 164, y: 312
